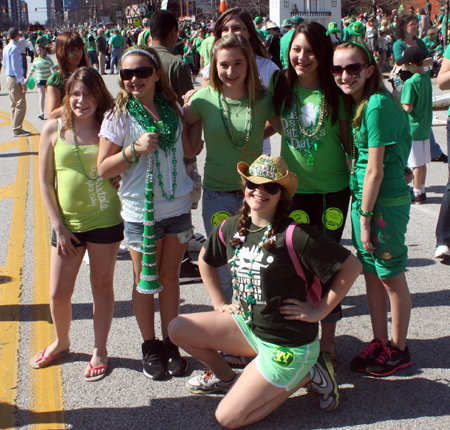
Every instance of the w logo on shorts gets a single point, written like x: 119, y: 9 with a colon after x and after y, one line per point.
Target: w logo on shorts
x: 282, y: 356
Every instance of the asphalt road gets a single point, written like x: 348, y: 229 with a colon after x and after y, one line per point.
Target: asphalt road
x: 58, y: 397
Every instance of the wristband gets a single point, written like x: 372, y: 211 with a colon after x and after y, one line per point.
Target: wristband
x: 124, y: 156
x: 133, y: 153
x: 366, y: 214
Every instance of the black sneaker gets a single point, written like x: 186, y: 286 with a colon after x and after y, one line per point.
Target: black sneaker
x: 443, y: 158
x: 189, y: 272
x: 361, y: 361
x: 176, y: 364
x: 389, y: 361
x: 153, y: 359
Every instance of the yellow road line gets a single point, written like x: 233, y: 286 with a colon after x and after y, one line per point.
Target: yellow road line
x: 9, y: 145
x: 46, y: 394
x: 7, y: 191
x: 10, y: 289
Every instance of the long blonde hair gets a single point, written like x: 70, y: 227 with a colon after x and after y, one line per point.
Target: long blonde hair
x: 374, y: 84
x: 253, y: 82
x: 161, y: 87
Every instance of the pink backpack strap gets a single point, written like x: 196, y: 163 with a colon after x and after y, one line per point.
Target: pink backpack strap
x: 221, y: 232
x: 315, y: 291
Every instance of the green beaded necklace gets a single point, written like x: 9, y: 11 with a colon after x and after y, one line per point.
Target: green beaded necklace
x: 318, y: 122
x: 78, y: 156
x: 248, y: 129
x: 251, y: 301
x: 168, y: 136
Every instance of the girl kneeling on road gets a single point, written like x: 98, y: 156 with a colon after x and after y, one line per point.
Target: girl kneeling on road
x: 273, y: 320
x: 84, y: 211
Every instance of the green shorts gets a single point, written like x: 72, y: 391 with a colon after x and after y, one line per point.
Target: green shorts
x: 282, y: 366
x: 388, y: 230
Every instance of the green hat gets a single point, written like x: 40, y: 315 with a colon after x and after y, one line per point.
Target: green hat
x: 297, y: 20
x: 107, y: 33
x: 351, y: 20
x: 357, y: 29
x: 258, y: 19
x: 39, y: 32
x: 333, y: 28
x: 286, y: 23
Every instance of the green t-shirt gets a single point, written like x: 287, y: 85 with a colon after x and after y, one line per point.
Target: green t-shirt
x: 116, y: 41
x: 329, y: 172
x: 41, y: 40
x: 205, y: 49
x: 284, y: 47
x: 429, y: 43
x: 274, y: 275
x: 260, y: 34
x: 399, y: 46
x: 384, y: 123
x: 188, y: 57
x: 447, y: 55
x: 56, y: 80
x: 221, y: 157
x: 90, y: 44
x: 417, y: 91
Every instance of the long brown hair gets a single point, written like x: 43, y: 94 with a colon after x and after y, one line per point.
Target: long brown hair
x: 255, y: 42
x: 322, y: 46
x: 64, y: 42
x: 161, y: 87
x: 96, y: 89
x: 253, y: 82
x: 373, y: 84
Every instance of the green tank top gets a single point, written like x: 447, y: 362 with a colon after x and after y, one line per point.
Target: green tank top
x: 84, y: 204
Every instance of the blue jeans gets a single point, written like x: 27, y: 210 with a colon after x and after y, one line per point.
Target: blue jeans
x: 434, y: 146
x: 115, y: 58
x: 443, y: 224
x: 217, y: 206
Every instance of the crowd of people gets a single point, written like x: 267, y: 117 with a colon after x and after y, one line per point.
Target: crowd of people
x: 125, y: 168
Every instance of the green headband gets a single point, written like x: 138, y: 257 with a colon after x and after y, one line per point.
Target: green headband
x: 365, y: 49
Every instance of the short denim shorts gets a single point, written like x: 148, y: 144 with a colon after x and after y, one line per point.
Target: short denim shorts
x: 41, y: 83
x: 180, y: 225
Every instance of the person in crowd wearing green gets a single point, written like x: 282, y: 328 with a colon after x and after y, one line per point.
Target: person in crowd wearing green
x: 272, y: 319
x: 417, y: 101
x: 381, y: 204
x: 285, y: 41
x: 115, y: 47
x: 44, y: 67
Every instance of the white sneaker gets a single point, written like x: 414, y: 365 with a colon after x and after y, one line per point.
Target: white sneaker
x: 123, y: 249
x: 196, y: 243
x: 442, y: 251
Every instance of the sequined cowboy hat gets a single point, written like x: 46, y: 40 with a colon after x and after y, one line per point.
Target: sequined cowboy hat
x: 267, y: 169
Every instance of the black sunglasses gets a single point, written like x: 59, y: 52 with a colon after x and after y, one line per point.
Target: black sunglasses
x: 351, y: 69
x: 271, y: 187
x: 140, y: 73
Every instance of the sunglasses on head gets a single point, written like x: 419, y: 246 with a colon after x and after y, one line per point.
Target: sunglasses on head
x: 351, y: 69
x: 140, y: 73
x: 270, y: 187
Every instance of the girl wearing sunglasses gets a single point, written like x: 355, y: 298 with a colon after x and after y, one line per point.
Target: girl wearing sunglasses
x: 380, y: 206
x: 272, y: 319
x: 233, y: 110
x: 84, y: 212
x: 313, y: 122
x: 146, y: 119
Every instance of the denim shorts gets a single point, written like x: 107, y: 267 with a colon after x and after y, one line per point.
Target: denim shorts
x: 99, y: 235
x: 180, y: 225
x: 282, y: 366
x: 41, y: 83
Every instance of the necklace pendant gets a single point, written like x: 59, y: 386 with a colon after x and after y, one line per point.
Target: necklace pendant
x: 310, y: 159
x: 353, y: 183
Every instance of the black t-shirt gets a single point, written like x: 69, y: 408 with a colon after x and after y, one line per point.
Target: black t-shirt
x: 274, y: 276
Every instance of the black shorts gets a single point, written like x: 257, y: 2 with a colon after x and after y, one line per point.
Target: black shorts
x: 99, y: 235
